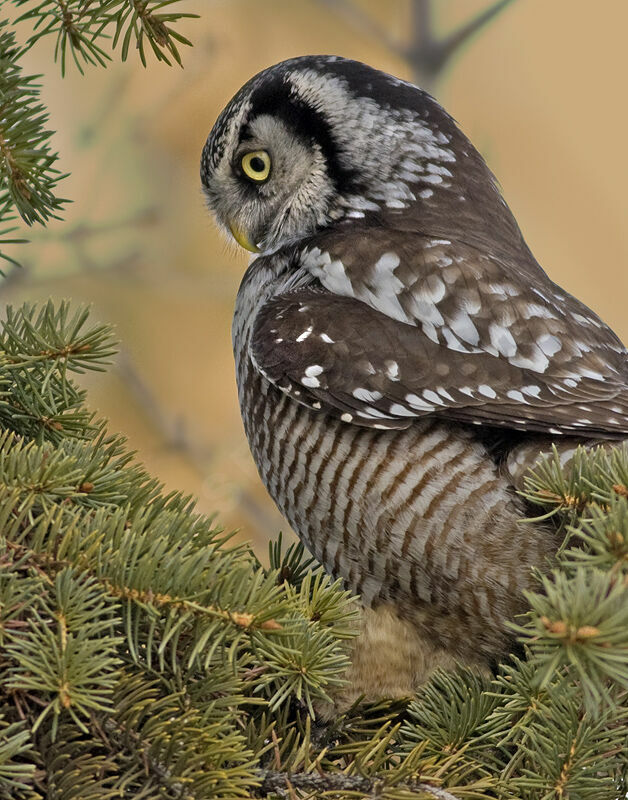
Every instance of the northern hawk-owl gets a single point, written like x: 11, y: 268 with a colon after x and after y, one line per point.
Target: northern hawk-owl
x: 401, y: 357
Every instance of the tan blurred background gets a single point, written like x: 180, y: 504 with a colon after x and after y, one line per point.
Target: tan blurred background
x: 541, y: 91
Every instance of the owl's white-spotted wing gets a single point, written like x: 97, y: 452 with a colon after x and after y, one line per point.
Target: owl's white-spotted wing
x: 430, y: 333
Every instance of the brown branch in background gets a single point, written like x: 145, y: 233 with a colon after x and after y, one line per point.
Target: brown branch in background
x: 173, y: 431
x: 427, y: 54
x: 358, y: 18
x: 78, y: 240
x: 282, y: 782
x: 176, y: 436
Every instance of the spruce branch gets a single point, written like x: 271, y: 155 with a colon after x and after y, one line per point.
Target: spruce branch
x: 82, y: 28
x: 604, y: 535
x: 55, y: 337
x: 87, y: 33
x: 6, y: 216
x: 450, y: 713
x: 149, y: 21
x: 581, y: 622
x: 350, y: 785
x: 15, y: 744
x: 143, y: 653
x: 28, y: 176
x: 76, y: 25
x: 291, y: 565
x: 566, y: 753
x: 38, y: 348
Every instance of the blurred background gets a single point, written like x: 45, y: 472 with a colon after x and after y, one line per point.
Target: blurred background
x: 540, y: 90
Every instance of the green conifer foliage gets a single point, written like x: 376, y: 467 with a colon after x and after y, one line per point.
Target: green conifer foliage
x: 137, y: 643
x: 142, y: 654
x: 86, y: 34
x: 145, y: 655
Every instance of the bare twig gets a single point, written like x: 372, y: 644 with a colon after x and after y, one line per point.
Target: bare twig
x: 175, y: 435
x: 360, y: 19
x: 173, y: 430
x: 281, y: 782
x: 427, y: 53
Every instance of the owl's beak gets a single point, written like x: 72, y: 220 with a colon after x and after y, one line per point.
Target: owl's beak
x: 242, y: 238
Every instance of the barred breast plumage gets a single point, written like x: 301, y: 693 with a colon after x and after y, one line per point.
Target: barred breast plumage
x: 420, y: 522
x: 401, y: 356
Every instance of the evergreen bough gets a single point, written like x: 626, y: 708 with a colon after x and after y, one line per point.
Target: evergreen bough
x: 144, y: 655
x: 86, y: 33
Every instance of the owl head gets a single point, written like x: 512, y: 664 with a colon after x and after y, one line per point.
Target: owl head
x: 321, y: 141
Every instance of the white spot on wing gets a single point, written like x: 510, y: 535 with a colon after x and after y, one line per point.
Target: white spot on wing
x: 530, y: 310
x: 487, y: 391
x: 401, y: 411
x: 591, y: 373
x: 513, y: 394
x: 416, y: 402
x: 434, y: 242
x: 549, y: 344
x: 538, y: 363
x: 463, y: 327
x: 332, y: 274
x: 392, y: 370
x: 435, y: 169
x: 366, y: 395
x: 432, y: 397
x: 434, y: 289
x: 395, y: 203
x: 373, y: 413
x: 430, y: 331
x: 313, y: 383
x: 303, y: 336
x: 425, y: 310
x: 502, y: 340
x: 452, y: 342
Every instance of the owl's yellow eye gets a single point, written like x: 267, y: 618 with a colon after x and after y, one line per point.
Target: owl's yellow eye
x: 256, y: 165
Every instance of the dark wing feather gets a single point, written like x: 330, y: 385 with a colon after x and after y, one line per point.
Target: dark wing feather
x: 341, y: 356
x: 470, y: 300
